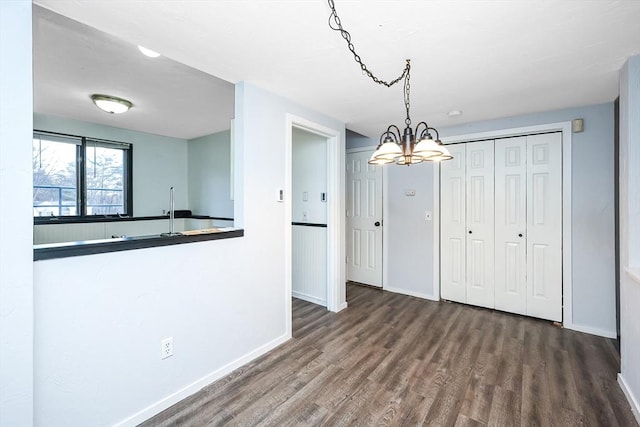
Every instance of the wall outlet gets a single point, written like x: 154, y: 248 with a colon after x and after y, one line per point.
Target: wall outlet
x: 166, y: 348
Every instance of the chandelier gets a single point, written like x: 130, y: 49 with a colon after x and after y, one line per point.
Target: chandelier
x: 403, y: 148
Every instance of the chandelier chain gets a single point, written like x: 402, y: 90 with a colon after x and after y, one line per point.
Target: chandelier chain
x: 336, y: 25
x: 407, y: 88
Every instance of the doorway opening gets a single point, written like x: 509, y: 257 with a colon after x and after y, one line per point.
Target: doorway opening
x: 333, y: 203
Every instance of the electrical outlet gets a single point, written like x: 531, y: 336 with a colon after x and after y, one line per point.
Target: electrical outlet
x: 166, y: 348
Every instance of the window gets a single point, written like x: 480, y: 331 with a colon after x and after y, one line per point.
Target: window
x: 77, y: 176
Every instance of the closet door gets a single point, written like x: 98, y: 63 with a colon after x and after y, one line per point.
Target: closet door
x: 511, y: 224
x: 544, y: 226
x: 480, y: 224
x: 453, y: 226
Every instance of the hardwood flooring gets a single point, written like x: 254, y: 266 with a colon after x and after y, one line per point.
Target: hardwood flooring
x: 391, y: 359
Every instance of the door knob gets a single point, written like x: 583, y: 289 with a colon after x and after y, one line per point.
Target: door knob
x: 470, y: 232
x: 520, y: 235
x: 377, y: 224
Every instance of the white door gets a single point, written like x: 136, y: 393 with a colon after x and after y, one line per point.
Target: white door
x: 364, y: 220
x: 480, y: 224
x: 511, y: 224
x: 544, y: 226
x: 453, y: 230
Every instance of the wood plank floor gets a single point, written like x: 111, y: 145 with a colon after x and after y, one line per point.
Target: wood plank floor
x: 391, y: 359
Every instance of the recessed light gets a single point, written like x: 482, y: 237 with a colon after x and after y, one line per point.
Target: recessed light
x: 148, y: 52
x: 111, y: 104
x: 454, y: 113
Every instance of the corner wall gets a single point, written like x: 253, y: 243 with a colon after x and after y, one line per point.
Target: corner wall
x: 16, y: 223
x: 629, y: 377
x: 210, y: 175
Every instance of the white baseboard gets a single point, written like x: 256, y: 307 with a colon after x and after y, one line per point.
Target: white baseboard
x: 410, y: 293
x: 309, y: 298
x: 635, y: 406
x: 342, y: 306
x: 198, y: 385
x: 591, y: 330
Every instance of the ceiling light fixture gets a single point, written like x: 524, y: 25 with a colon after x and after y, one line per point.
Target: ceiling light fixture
x: 403, y: 148
x: 148, y: 52
x: 111, y: 104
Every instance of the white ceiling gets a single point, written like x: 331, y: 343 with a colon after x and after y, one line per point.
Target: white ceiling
x: 73, y: 61
x: 489, y: 59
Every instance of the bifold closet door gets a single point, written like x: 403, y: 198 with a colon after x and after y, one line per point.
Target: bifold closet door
x: 453, y: 229
x: 544, y: 226
x: 511, y: 224
x: 480, y: 224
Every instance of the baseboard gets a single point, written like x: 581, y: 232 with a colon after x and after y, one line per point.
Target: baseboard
x: 342, y: 306
x: 591, y: 330
x: 410, y: 293
x: 198, y: 385
x: 633, y: 402
x: 309, y: 298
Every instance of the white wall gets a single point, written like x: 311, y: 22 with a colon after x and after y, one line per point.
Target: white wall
x: 630, y: 231
x: 592, y: 210
x: 210, y: 175
x: 309, y: 174
x: 224, y: 302
x: 16, y: 254
x: 159, y: 162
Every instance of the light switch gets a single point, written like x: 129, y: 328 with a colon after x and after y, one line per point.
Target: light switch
x: 305, y: 196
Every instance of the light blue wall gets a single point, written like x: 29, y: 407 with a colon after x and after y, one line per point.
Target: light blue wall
x: 16, y: 223
x: 159, y: 162
x: 356, y: 140
x: 592, y: 208
x: 630, y: 230
x: 210, y: 175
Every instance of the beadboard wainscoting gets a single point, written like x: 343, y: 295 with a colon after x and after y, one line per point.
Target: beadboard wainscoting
x: 309, y: 256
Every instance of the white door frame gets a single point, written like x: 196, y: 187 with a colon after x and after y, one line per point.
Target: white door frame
x: 335, y: 221
x: 565, y: 128
x: 385, y: 208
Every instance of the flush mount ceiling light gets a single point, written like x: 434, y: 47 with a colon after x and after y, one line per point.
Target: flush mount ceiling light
x: 403, y: 148
x: 111, y: 104
x: 148, y: 52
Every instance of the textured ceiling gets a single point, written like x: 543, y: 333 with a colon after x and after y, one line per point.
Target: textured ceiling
x: 489, y: 59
